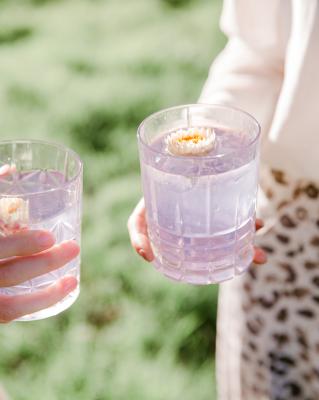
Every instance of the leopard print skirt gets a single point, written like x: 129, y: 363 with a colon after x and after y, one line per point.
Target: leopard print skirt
x: 268, y: 319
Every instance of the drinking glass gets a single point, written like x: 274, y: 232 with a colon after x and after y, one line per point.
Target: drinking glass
x: 200, y: 209
x: 45, y: 182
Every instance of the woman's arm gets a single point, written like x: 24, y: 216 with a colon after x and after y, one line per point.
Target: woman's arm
x: 248, y: 73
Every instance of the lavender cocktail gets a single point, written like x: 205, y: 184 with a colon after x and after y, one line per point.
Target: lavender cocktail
x: 42, y: 191
x: 199, y: 167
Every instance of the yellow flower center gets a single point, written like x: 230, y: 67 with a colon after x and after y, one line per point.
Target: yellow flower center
x: 195, y: 138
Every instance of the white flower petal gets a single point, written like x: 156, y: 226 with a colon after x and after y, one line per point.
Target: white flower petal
x: 14, y: 214
x: 190, y: 142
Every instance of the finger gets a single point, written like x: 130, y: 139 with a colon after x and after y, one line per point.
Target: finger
x: 7, y: 169
x: 259, y: 224
x: 137, y: 228
x: 145, y: 250
x: 4, y: 170
x: 25, y: 243
x: 260, y: 256
x: 13, y: 307
x: 21, y: 269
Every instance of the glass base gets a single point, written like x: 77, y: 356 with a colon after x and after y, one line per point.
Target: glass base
x: 53, y: 310
x: 202, y: 277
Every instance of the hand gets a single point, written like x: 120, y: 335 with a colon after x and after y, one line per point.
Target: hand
x: 137, y: 228
x: 24, y: 256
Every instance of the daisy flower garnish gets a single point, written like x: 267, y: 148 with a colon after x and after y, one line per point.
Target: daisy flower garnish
x: 190, y: 142
x: 14, y: 214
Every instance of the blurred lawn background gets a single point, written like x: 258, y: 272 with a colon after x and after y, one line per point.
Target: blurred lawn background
x: 85, y: 73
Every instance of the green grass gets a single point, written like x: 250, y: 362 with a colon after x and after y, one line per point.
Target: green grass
x: 85, y: 73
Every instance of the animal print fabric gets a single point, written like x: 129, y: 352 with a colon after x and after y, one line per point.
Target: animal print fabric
x: 268, y: 319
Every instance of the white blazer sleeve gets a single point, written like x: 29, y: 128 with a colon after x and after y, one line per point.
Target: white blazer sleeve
x: 248, y: 73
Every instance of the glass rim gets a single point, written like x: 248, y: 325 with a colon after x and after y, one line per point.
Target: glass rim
x: 198, y: 105
x: 48, y: 143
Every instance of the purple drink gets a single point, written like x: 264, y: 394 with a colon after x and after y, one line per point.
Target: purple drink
x: 201, y: 209
x: 42, y: 191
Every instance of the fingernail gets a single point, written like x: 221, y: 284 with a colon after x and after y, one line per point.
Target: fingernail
x: 259, y: 223
x: 261, y: 257
x: 142, y: 253
x: 69, y: 284
x: 45, y: 239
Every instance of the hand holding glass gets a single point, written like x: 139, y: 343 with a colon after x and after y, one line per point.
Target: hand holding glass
x: 201, y: 209
x: 40, y: 205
